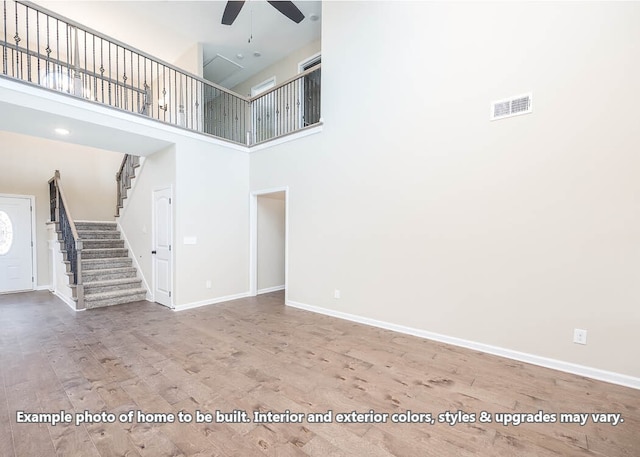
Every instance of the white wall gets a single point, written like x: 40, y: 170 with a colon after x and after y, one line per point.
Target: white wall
x: 271, y: 240
x: 282, y: 70
x: 210, y: 186
x: 136, y: 219
x: 212, y: 196
x: 425, y: 214
x: 87, y: 174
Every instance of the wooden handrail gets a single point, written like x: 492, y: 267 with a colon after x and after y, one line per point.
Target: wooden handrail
x: 74, y: 231
x: 74, y: 250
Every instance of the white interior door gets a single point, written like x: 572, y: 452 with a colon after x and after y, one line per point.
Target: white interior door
x: 16, y: 250
x: 161, y: 253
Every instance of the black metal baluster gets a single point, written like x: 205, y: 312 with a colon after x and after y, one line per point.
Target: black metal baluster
x: 124, y: 80
x: 4, y: 46
x: 69, y: 52
x: 48, y: 51
x: 138, y: 86
x: 86, y: 85
x: 170, y: 95
x: 38, y: 44
x: 28, y: 53
x: 16, y: 38
x: 110, y: 78
x: 102, y: 68
x: 117, y: 81
x: 156, y: 112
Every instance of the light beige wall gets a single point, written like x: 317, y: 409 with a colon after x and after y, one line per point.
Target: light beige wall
x: 212, y: 205
x: 425, y: 214
x: 210, y: 202
x: 191, y: 60
x: 88, y: 179
x: 271, y: 240
x: 282, y: 70
x: 157, y: 171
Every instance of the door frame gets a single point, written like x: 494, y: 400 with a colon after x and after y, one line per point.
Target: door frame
x: 153, y: 243
x: 34, y: 243
x: 253, y: 238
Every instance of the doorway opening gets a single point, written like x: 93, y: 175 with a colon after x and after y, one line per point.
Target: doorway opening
x: 268, y: 241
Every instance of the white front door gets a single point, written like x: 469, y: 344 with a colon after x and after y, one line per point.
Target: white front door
x: 16, y: 255
x: 162, y: 240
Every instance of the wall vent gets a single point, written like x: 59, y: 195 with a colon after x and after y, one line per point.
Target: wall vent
x: 513, y: 106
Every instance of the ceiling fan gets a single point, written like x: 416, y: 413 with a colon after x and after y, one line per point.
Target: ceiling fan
x: 290, y: 10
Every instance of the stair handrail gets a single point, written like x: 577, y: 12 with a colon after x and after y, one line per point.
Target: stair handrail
x: 61, y: 215
x: 125, y: 174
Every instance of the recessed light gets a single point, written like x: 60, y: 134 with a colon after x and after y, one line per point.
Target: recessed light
x: 62, y: 131
x: 239, y: 56
x: 257, y: 54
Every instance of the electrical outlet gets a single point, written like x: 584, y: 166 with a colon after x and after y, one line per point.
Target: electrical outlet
x: 208, y: 284
x: 579, y: 336
x: 336, y: 293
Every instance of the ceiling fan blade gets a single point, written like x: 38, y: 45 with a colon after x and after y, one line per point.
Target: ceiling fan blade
x: 231, y: 12
x: 290, y: 10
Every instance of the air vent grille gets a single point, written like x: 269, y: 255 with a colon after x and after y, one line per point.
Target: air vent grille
x: 514, y: 106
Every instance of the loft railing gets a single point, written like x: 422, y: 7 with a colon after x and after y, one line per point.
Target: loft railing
x: 287, y: 108
x: 43, y: 48
x: 124, y: 176
x: 68, y: 235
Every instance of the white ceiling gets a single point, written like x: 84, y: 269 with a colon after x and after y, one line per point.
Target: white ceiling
x: 168, y: 29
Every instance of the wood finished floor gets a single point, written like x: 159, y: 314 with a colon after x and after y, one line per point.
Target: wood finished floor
x: 259, y: 355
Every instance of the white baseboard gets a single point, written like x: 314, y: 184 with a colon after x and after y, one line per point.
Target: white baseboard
x: 212, y: 301
x: 270, y: 289
x: 70, y: 303
x: 581, y: 370
x: 45, y: 287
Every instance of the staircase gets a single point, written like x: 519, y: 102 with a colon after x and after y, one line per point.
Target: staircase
x: 107, y: 272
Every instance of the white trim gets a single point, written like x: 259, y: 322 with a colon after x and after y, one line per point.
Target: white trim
x: 135, y: 261
x: 15, y: 92
x: 568, y: 367
x: 68, y: 301
x: 267, y: 290
x: 309, y: 60
x: 34, y: 240
x: 286, y: 138
x: 253, y: 238
x: 44, y: 287
x: 260, y: 87
x: 212, y: 301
